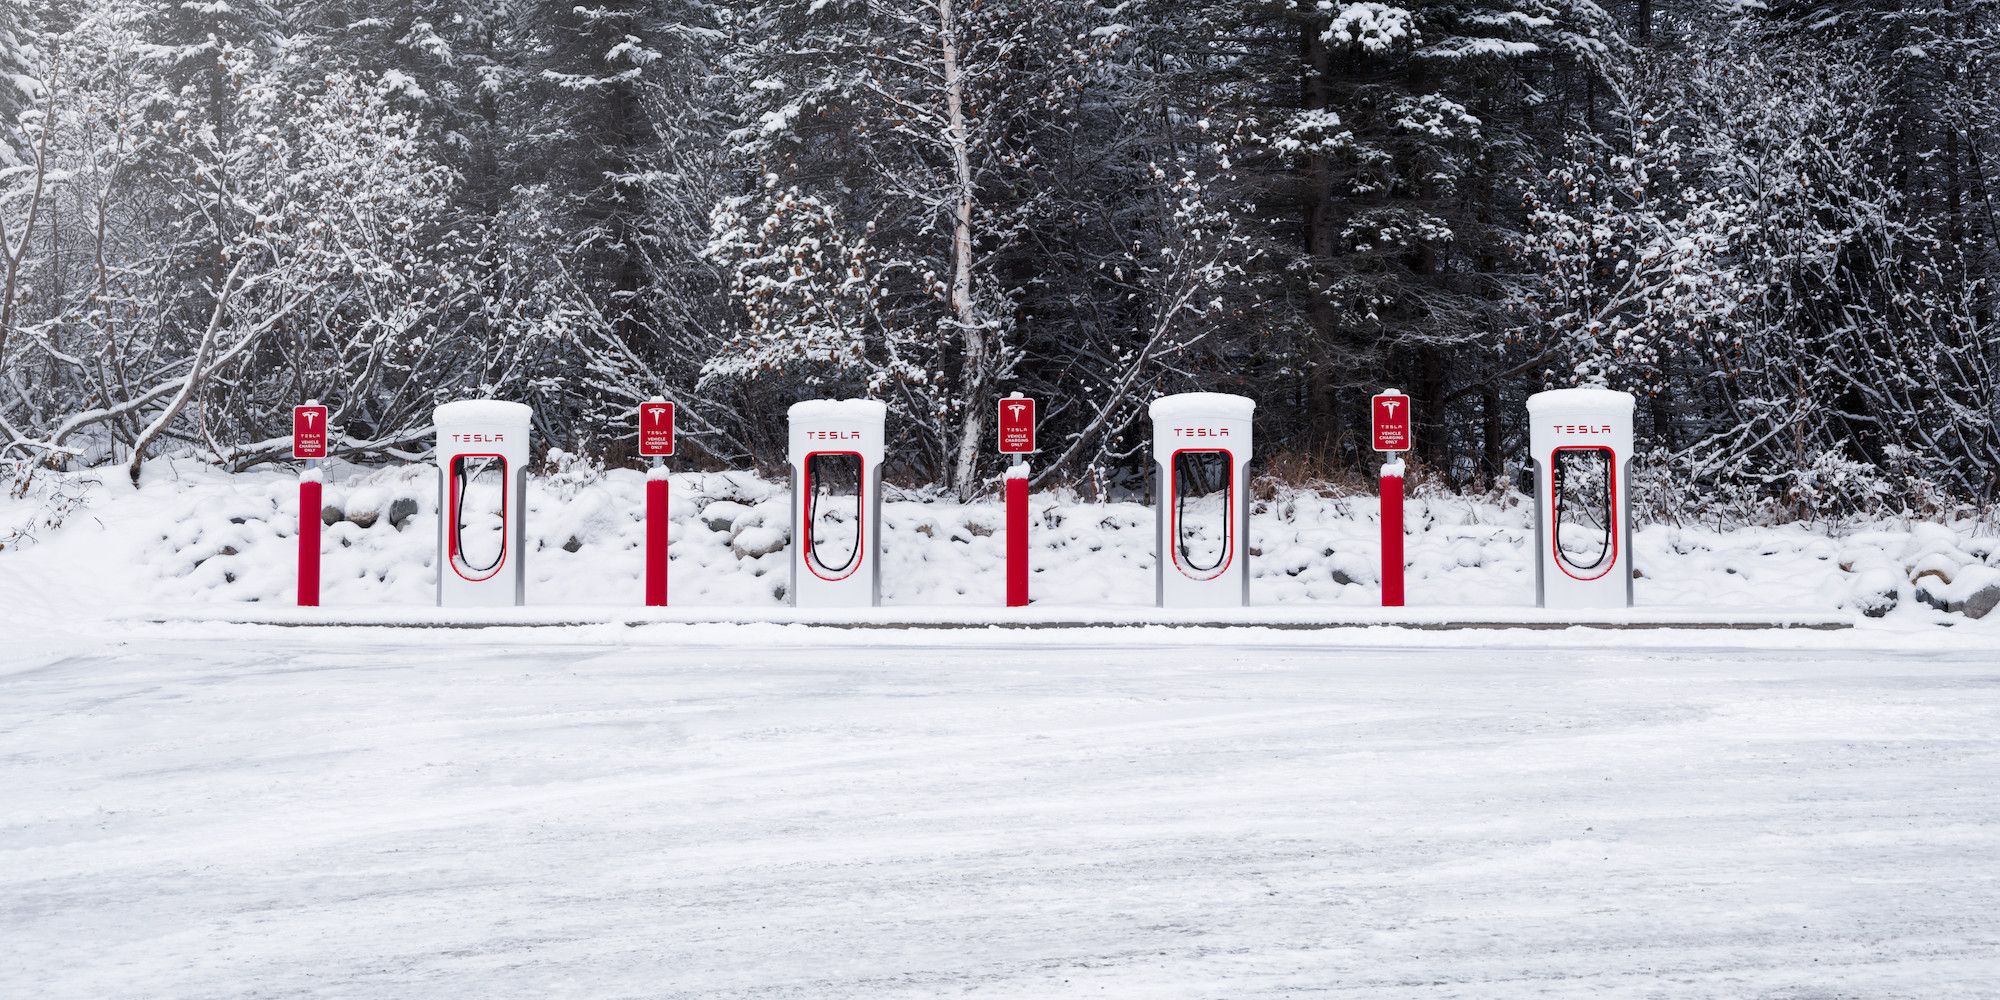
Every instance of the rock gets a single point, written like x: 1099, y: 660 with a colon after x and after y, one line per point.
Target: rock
x: 758, y: 542
x: 365, y: 506
x: 1935, y: 564
x: 401, y: 511
x: 573, y: 544
x: 721, y: 515
x: 1982, y: 602
x: 1877, y: 603
x: 1934, y: 591
x: 1877, y: 589
x: 1341, y: 578
x: 1928, y: 540
x: 330, y: 514
x: 978, y: 529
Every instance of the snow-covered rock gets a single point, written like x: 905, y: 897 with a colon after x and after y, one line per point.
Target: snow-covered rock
x: 722, y: 515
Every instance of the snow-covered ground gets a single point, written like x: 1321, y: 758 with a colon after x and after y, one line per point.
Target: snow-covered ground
x: 195, y: 535
x: 757, y: 811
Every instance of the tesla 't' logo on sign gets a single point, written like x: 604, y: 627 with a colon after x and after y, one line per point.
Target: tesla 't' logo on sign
x: 310, y: 416
x: 1015, y: 409
x: 1390, y: 406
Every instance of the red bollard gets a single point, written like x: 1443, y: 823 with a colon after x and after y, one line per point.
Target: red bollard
x: 656, y: 542
x: 1392, y: 535
x: 1017, y: 539
x: 309, y: 508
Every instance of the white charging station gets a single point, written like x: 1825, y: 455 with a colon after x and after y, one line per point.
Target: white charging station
x: 1582, y: 449
x: 836, y: 459
x: 482, y: 455
x: 1201, y: 462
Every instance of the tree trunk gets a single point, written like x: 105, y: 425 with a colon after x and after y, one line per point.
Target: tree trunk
x: 1323, y: 418
x: 974, y: 377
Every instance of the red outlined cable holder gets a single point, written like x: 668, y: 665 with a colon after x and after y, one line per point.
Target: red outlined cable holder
x: 1610, y: 510
x: 1228, y: 513
x: 457, y: 523
x: 813, y: 565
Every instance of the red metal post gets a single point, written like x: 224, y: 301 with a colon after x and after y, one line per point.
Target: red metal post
x: 1017, y: 541
x: 309, y: 508
x: 656, y: 543
x: 1392, y: 540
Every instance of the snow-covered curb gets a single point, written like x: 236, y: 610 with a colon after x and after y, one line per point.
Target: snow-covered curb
x: 1038, y: 617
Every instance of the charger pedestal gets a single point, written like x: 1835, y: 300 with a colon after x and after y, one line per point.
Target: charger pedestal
x: 1017, y: 535
x: 1392, y: 533
x: 656, y: 536
x: 309, y: 508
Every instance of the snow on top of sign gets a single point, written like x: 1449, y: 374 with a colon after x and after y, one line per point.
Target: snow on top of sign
x: 483, y: 411
x: 839, y: 409
x: 1201, y: 404
x: 1581, y: 400
x: 1019, y: 470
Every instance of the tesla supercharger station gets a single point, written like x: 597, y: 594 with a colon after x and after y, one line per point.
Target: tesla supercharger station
x: 836, y: 458
x: 1201, y: 460
x: 482, y: 454
x: 1582, y: 444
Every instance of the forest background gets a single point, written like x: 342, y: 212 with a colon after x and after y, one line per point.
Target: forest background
x: 1772, y: 222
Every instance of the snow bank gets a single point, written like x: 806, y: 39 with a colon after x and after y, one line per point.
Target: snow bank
x: 199, y: 535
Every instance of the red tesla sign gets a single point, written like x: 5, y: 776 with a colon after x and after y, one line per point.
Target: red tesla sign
x: 1017, y: 425
x: 1392, y: 421
x: 309, y: 431
x: 656, y: 429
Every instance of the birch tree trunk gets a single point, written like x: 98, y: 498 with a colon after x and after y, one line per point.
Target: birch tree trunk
x: 973, y: 380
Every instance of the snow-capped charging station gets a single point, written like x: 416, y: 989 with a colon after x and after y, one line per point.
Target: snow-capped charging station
x: 836, y: 459
x: 1582, y: 449
x: 482, y: 455
x: 1201, y: 461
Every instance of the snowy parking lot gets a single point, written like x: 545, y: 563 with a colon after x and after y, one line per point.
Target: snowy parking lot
x: 767, y: 812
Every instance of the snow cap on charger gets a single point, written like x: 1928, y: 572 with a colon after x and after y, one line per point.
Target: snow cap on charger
x: 839, y: 409
x: 1557, y: 401
x: 483, y: 411
x: 1189, y: 405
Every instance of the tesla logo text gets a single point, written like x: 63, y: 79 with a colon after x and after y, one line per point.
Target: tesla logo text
x: 1583, y: 428
x: 1201, y: 432
x: 833, y: 435
x: 479, y: 438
